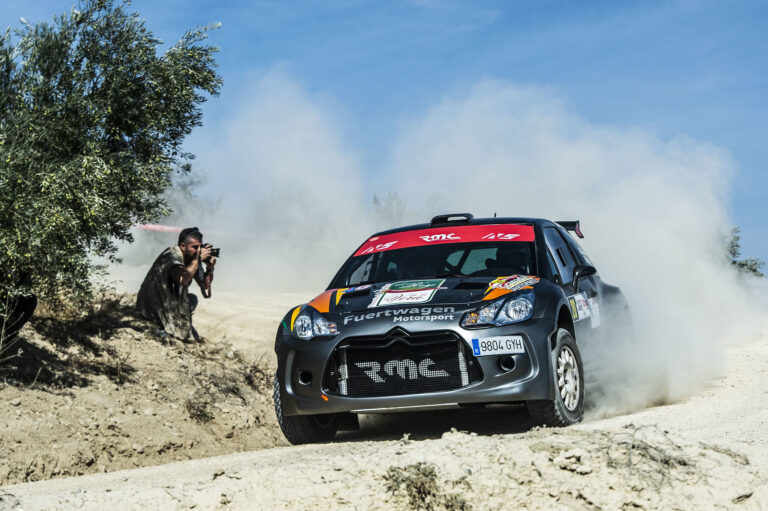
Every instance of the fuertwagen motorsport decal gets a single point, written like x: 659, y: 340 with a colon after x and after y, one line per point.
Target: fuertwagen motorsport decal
x: 406, y: 314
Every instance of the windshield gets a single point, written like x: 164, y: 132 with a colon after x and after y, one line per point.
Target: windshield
x: 477, y: 259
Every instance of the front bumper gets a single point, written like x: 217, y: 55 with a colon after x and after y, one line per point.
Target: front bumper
x: 302, y: 366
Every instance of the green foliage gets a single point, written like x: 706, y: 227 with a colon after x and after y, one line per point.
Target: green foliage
x: 92, y: 121
x: 750, y: 265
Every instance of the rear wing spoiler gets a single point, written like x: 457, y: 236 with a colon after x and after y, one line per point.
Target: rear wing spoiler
x: 571, y: 225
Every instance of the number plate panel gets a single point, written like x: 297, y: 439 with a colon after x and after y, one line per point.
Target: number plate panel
x: 498, y: 345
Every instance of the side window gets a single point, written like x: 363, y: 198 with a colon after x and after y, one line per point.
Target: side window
x: 362, y: 272
x: 576, y: 249
x: 561, y: 253
x: 551, y: 265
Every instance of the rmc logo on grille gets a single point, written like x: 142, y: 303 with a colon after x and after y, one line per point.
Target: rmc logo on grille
x: 406, y: 369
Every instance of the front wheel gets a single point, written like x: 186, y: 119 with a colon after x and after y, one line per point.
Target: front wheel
x: 305, y: 429
x: 568, y: 377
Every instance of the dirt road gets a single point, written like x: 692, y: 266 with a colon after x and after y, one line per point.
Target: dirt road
x: 709, y: 451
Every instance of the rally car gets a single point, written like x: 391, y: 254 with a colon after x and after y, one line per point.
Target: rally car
x: 460, y: 311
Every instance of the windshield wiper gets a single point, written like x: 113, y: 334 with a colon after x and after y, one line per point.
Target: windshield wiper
x: 446, y: 275
x: 440, y: 276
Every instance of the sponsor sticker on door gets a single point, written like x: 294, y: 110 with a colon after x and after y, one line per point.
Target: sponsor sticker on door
x: 579, y: 306
x: 595, y: 309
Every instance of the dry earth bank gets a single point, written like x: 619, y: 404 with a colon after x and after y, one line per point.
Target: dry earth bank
x: 105, y: 393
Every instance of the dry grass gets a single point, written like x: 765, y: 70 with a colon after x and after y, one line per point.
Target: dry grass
x: 418, y: 484
x: 654, y: 462
x: 199, y: 407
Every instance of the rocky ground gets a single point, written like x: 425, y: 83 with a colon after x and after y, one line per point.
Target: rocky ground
x: 86, y: 411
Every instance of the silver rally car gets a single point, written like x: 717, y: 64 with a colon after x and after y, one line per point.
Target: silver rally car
x: 460, y: 311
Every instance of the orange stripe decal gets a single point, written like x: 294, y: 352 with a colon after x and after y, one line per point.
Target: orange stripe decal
x: 322, y: 303
x: 496, y: 293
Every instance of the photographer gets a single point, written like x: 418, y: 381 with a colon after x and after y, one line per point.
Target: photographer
x: 164, y: 296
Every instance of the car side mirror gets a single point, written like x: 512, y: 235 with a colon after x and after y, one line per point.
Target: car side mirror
x: 581, y: 271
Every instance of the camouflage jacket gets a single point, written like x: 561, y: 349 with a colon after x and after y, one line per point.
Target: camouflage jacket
x: 163, y: 301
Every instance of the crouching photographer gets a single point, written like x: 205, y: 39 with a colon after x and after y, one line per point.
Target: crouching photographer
x: 164, y: 296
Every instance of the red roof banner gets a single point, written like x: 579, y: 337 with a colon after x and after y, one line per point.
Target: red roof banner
x: 442, y: 235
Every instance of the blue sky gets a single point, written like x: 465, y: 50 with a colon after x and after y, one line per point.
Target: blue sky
x: 695, y: 68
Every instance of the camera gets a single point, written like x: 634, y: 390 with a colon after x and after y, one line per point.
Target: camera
x: 214, y: 251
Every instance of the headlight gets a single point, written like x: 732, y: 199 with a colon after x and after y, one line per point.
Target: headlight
x: 502, y: 312
x: 322, y: 326
x: 302, y: 327
x: 516, y: 310
x: 311, y: 323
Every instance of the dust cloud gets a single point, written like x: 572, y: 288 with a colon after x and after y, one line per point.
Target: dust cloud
x: 284, y: 199
x: 294, y: 201
x: 654, y: 214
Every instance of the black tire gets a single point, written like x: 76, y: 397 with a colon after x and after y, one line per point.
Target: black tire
x: 555, y: 413
x: 305, y: 429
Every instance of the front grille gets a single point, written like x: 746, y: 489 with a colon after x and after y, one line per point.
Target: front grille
x: 400, y: 363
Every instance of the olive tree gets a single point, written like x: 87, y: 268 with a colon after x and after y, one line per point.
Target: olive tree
x: 93, y: 114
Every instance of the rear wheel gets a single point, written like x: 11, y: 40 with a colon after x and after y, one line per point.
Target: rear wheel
x: 568, y: 377
x: 305, y: 429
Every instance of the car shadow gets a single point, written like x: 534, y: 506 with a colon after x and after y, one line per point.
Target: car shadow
x: 489, y: 420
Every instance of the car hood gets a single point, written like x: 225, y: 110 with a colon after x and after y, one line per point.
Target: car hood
x: 461, y: 293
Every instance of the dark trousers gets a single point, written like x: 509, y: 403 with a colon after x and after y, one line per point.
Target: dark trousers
x: 19, y: 314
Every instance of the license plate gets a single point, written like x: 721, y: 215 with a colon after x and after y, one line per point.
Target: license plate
x: 501, y: 345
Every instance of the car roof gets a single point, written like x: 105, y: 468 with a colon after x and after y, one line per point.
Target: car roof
x: 474, y: 221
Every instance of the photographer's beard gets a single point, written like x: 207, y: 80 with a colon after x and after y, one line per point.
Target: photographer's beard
x: 190, y: 251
